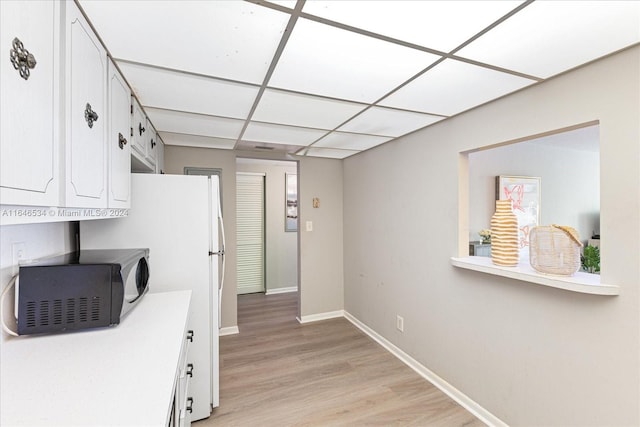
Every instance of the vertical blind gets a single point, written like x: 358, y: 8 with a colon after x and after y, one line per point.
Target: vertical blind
x: 250, y: 232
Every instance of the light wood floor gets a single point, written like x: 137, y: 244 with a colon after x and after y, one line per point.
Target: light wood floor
x: 277, y: 372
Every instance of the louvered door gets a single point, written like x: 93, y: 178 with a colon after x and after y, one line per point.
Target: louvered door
x: 250, y: 232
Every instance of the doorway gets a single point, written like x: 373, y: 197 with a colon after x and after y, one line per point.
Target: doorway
x: 280, y: 242
x: 250, y: 231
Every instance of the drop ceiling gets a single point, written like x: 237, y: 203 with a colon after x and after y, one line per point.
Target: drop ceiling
x: 334, y: 78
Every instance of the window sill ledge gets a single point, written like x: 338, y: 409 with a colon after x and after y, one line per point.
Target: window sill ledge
x: 581, y: 282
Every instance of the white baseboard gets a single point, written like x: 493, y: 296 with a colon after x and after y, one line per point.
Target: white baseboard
x: 229, y: 330
x: 281, y: 290
x: 464, y: 400
x: 321, y: 316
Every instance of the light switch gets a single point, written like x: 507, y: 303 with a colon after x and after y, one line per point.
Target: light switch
x: 309, y: 225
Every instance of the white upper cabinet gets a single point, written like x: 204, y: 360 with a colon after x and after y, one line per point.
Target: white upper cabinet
x: 118, y: 140
x: 152, y: 143
x: 143, y: 135
x: 29, y: 84
x: 86, y: 114
x: 138, y: 128
x: 160, y: 154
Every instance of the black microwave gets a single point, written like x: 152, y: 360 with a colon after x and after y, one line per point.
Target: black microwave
x: 86, y: 289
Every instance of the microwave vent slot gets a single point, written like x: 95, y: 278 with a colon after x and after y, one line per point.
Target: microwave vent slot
x: 83, y: 309
x: 44, y: 313
x: 71, y: 310
x: 31, y: 314
x: 57, y: 312
x: 95, y: 309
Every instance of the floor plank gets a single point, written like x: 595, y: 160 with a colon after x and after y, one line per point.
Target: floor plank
x: 277, y: 372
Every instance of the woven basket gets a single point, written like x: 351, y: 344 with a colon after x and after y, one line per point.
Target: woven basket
x: 554, y: 249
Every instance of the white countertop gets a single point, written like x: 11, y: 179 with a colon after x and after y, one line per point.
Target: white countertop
x: 122, y: 375
x: 581, y: 282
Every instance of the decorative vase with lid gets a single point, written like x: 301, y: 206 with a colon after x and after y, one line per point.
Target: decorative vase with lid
x: 504, y: 235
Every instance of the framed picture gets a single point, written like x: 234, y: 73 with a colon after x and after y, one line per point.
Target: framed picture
x: 291, y: 205
x: 524, y: 193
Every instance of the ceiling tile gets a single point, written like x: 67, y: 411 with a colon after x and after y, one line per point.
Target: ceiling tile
x: 454, y: 86
x: 229, y: 39
x: 303, y: 110
x: 548, y: 37
x: 328, y: 61
x: 196, y: 141
x: 331, y: 153
x: 267, y: 147
x: 350, y: 141
x: 388, y: 122
x: 280, y: 134
x: 439, y: 25
x: 194, y: 124
x: 189, y: 93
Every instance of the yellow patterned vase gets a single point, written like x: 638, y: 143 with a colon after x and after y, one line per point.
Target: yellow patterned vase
x: 504, y: 235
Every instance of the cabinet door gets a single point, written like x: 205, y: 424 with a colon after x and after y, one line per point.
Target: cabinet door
x: 29, y: 122
x: 138, y: 129
x: 86, y: 114
x: 152, y: 144
x: 118, y: 138
x: 160, y: 155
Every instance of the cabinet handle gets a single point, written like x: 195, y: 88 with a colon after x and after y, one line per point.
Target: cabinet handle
x: 190, y: 404
x: 21, y: 59
x: 190, y: 335
x: 153, y: 144
x: 140, y: 128
x: 122, y: 141
x: 89, y: 115
x: 190, y: 369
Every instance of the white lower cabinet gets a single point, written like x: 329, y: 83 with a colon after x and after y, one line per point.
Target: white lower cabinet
x: 29, y: 104
x: 183, y: 402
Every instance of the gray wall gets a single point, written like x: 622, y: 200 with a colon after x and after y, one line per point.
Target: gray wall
x: 529, y: 354
x: 281, y: 247
x: 321, y: 250
x: 321, y: 271
x: 570, y: 180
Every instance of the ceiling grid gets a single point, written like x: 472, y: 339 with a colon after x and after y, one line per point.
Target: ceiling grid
x: 335, y: 78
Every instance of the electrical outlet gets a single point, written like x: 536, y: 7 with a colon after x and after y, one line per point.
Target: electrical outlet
x: 400, y: 323
x: 19, y: 253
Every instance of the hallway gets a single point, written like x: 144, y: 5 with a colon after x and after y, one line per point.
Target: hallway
x: 277, y: 372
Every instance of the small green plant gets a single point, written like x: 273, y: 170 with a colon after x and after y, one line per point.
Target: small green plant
x: 591, y: 259
x: 485, y: 235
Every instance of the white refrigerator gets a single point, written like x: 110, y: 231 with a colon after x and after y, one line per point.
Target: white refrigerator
x: 178, y: 217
